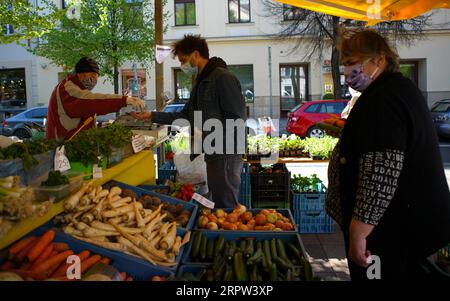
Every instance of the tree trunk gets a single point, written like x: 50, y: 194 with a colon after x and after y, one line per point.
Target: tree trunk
x: 159, y: 68
x: 335, y: 64
x: 116, y: 79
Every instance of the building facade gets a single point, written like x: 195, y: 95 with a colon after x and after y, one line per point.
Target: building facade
x: 273, y: 78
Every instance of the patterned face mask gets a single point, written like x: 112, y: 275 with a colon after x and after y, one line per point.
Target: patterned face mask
x: 188, y: 69
x: 356, y: 78
x: 89, y: 83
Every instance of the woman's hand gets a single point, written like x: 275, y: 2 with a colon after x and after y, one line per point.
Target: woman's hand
x: 358, y: 252
x: 141, y: 116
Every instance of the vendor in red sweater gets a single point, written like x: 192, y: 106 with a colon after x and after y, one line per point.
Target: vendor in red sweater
x: 72, y: 101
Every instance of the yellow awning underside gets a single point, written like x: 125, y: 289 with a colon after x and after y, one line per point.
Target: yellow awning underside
x: 371, y: 11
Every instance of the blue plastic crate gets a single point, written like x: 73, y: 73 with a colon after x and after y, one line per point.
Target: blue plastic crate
x: 233, y: 235
x: 284, y: 212
x: 193, y: 208
x: 308, y: 201
x: 138, y: 268
x: 313, y: 221
x: 167, y: 171
x: 191, y: 268
x: 246, y: 200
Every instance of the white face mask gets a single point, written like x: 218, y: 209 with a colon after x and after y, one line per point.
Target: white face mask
x: 188, y: 69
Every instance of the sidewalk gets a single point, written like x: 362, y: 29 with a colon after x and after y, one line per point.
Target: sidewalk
x: 327, y: 253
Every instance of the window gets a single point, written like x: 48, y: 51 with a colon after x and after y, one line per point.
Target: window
x: 244, y: 74
x: 37, y: 113
x: 312, y: 108
x: 410, y: 69
x: 441, y: 107
x: 13, y: 86
x: 290, y: 12
x: 332, y: 107
x: 183, y: 85
x: 130, y: 87
x: 8, y: 29
x: 238, y: 11
x: 184, y: 12
x: 293, y: 86
x: 63, y: 4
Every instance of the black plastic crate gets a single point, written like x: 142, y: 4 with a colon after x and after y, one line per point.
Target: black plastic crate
x: 273, y: 179
x: 269, y: 198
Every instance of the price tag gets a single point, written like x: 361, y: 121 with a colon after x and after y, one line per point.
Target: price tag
x: 61, y: 161
x: 97, y: 172
x: 138, y: 143
x: 204, y: 201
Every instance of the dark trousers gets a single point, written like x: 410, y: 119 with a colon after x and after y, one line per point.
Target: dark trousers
x: 224, y: 180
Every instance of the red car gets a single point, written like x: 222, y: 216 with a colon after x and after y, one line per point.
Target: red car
x: 303, y: 118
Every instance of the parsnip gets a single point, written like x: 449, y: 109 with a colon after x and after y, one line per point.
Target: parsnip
x: 149, y: 228
x: 114, y: 191
x: 83, y: 209
x: 139, y: 219
x: 154, y: 214
x: 72, y: 231
x: 164, y: 229
x: 104, y: 244
x: 108, y: 227
x: 120, y: 202
x: 91, y: 232
x: 102, y: 194
x: 168, y: 239
x: 85, y: 200
x: 186, y: 238
x: 135, y: 249
x: 176, y: 246
x: 72, y: 201
x: 87, y: 218
x: 119, y: 211
x: 130, y: 216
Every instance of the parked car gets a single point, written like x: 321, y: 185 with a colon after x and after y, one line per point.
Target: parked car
x: 303, y: 119
x: 440, y: 113
x: 21, y: 125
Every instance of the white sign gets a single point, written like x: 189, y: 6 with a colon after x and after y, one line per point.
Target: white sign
x: 162, y: 52
x: 204, y: 201
x: 61, y: 161
x: 138, y: 143
x: 74, y: 11
x: 97, y: 172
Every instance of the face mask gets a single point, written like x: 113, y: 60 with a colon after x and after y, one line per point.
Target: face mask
x: 89, y: 83
x: 188, y: 69
x: 357, y: 79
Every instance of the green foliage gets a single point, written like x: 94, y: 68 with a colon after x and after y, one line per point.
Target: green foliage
x: 27, y: 150
x: 301, y: 184
x: 320, y: 147
x: 28, y: 20
x: 328, y: 96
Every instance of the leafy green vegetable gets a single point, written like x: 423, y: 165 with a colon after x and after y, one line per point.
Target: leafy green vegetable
x: 301, y: 184
x: 55, y: 178
x: 27, y: 150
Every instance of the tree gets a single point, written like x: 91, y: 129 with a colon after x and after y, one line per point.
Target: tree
x: 110, y: 31
x: 21, y: 20
x: 317, y: 32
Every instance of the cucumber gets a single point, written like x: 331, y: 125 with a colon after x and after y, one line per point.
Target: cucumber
x: 259, y: 245
x: 231, y: 250
x: 220, y: 272
x: 273, y: 274
x: 228, y: 273
x: 281, y: 251
x: 289, y: 276
x: 250, y: 250
x: 203, y: 248
x: 210, y: 250
x: 256, y: 258
x: 239, y: 268
x: 294, y: 251
x: 266, y: 246
x: 282, y: 264
x: 243, y: 245
x: 254, y: 273
x: 273, y: 249
x: 196, y: 244
x: 220, y: 244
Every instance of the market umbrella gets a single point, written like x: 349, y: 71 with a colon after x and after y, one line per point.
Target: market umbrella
x: 371, y: 11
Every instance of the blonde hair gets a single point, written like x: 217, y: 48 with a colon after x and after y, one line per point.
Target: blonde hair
x: 367, y: 43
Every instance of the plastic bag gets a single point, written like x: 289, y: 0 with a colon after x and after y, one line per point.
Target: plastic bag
x: 192, y: 172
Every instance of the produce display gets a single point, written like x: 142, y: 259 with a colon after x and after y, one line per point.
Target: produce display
x: 87, y: 146
x: 55, y: 178
x: 176, y: 190
x: 301, y: 184
x: 267, y: 169
x: 18, y: 203
x: 333, y: 126
x: 320, y: 148
x: 40, y: 258
x: 26, y: 150
x: 112, y: 219
x: 247, y: 259
x: 240, y: 219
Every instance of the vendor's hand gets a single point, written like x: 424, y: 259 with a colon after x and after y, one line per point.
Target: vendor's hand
x: 141, y: 116
x: 138, y: 103
x: 358, y: 252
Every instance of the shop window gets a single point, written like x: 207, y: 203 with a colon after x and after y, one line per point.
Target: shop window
x: 130, y: 87
x: 293, y: 86
x: 184, y: 12
x: 238, y: 11
x: 410, y: 69
x: 290, y: 12
x: 13, y: 87
x: 183, y: 85
x: 244, y: 74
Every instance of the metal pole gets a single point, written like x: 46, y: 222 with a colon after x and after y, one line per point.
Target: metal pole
x: 159, y: 68
x: 270, y: 81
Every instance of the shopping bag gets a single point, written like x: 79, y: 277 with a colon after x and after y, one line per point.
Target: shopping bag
x: 192, y: 172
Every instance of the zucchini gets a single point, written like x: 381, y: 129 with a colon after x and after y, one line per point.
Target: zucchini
x: 243, y: 245
x: 273, y: 273
x: 200, y: 275
x: 220, y: 244
x: 289, y: 276
x: 196, y: 244
x: 295, y: 252
x: 254, y: 273
x: 231, y: 250
x: 239, y: 268
x: 228, y: 273
x: 273, y: 249
x: 210, y: 250
x: 282, y: 264
x: 203, y: 247
x: 307, y: 271
x: 220, y: 272
x: 250, y: 250
x: 268, y: 257
x: 281, y: 251
x: 256, y: 258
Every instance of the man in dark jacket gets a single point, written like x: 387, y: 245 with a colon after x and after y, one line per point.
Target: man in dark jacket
x: 216, y: 94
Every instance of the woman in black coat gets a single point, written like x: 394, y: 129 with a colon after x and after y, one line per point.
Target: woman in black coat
x: 387, y: 186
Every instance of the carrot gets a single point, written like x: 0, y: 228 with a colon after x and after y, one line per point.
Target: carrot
x: 123, y: 276
x: 54, y: 253
x: 22, y: 254
x: 21, y: 244
x: 25, y: 266
x: 62, y: 269
x: 44, y: 256
x: 8, y: 265
x: 50, y: 265
x: 105, y: 260
x: 89, y: 262
x: 60, y: 246
x: 43, y: 242
x: 129, y: 278
x: 29, y: 274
